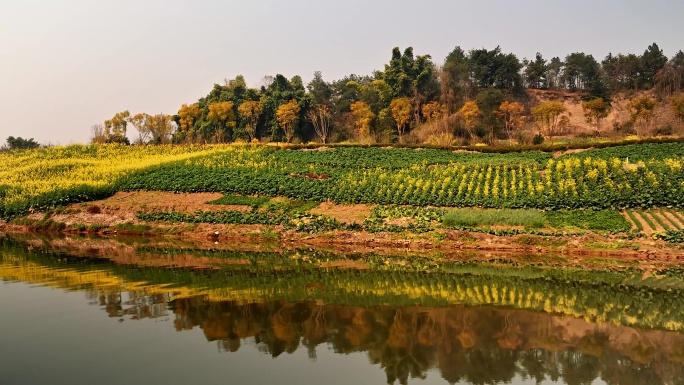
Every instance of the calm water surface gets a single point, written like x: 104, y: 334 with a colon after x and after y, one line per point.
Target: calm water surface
x: 137, y: 317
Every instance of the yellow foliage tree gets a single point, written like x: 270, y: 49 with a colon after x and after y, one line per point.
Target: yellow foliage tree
x: 221, y: 114
x: 470, y: 113
x: 641, y: 110
x: 159, y: 127
x: 187, y: 115
x: 251, y: 110
x: 401, y: 112
x: 363, y: 116
x: 432, y: 111
x: 595, y: 110
x: 115, y: 128
x: 547, y: 115
x: 511, y: 113
x: 287, y: 116
x: 139, y: 121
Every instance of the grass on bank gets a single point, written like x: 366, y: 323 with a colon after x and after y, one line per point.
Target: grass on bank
x: 467, y: 217
x: 599, y: 220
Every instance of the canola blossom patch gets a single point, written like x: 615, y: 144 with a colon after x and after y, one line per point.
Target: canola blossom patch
x: 49, y: 177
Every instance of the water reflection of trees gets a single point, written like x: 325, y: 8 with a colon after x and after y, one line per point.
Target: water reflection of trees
x: 479, y: 345
x: 132, y: 304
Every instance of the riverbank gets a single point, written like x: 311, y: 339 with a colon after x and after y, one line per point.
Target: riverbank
x: 356, y: 229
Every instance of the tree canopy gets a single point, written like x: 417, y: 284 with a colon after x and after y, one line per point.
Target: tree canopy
x: 20, y: 143
x: 472, y: 92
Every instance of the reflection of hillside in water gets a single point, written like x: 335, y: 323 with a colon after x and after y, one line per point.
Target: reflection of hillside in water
x: 480, y: 345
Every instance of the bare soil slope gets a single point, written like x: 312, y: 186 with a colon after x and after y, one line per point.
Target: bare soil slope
x: 619, y: 112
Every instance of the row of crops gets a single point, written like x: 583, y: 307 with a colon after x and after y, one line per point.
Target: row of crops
x: 510, y: 180
x: 664, y: 222
x: 656, y: 219
x: 645, y: 175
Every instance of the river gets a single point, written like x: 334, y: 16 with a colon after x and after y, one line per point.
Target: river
x: 141, y: 314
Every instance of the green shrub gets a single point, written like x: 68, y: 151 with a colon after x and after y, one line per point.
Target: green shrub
x: 538, y: 139
x: 672, y: 236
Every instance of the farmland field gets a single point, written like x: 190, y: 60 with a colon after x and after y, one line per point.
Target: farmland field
x: 642, y: 176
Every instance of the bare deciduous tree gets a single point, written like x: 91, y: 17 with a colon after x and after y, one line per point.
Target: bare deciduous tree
x: 320, y: 117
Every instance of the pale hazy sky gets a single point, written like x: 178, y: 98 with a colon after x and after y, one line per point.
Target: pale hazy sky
x: 68, y: 64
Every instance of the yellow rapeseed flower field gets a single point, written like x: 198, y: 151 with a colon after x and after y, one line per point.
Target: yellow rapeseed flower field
x: 28, y: 174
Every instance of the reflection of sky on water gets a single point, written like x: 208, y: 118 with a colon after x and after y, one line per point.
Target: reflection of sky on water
x: 52, y: 337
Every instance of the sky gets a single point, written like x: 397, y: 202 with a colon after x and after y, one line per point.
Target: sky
x: 66, y: 65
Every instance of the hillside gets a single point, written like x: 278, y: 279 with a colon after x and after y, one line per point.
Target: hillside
x: 406, y: 197
x: 619, y: 113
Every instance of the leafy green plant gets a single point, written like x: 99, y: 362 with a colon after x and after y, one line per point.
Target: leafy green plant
x: 418, y: 219
x: 672, y: 236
